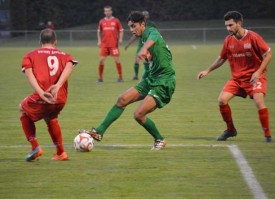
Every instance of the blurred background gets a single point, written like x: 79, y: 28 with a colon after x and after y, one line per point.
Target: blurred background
x: 180, y: 21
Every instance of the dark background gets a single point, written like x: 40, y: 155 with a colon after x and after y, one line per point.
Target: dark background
x: 28, y: 14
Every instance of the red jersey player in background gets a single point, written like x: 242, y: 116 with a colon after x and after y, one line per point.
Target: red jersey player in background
x: 248, y: 56
x: 47, y: 70
x: 112, y: 32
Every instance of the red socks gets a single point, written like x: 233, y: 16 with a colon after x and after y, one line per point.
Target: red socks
x: 29, y: 130
x: 53, y: 128
x: 119, y: 70
x: 227, y: 116
x: 264, y: 119
x: 55, y: 132
x: 100, y: 71
x: 263, y: 116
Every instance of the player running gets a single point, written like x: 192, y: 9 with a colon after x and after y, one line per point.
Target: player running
x: 155, y: 91
x: 47, y: 70
x: 133, y: 39
x: 248, y: 56
x: 112, y: 32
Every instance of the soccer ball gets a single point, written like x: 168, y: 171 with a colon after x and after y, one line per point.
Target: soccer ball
x: 83, y: 142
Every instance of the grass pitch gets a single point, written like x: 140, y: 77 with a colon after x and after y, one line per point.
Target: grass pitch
x: 189, y: 168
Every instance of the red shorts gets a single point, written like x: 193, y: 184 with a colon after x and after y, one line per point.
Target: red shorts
x: 243, y: 89
x: 39, y: 110
x: 106, y: 51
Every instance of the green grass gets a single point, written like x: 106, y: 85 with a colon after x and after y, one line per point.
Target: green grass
x: 192, y: 117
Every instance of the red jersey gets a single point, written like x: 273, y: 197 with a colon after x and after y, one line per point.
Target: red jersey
x: 110, y: 29
x: 47, y: 65
x: 244, y: 55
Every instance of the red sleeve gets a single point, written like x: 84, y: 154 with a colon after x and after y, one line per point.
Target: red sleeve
x: 99, y: 29
x: 223, y: 53
x: 71, y: 59
x: 119, y: 26
x: 26, y: 63
x: 260, y: 45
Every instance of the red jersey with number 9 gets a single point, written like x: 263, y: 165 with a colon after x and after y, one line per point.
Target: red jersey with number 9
x: 244, y: 55
x: 47, y: 65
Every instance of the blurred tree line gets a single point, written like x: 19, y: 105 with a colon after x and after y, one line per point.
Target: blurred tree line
x: 29, y: 14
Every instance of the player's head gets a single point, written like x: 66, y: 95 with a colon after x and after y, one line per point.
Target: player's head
x: 136, y: 23
x: 233, y: 22
x: 108, y: 11
x: 146, y: 14
x: 48, y: 36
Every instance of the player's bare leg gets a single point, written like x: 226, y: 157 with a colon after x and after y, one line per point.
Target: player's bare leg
x: 263, y: 115
x: 225, y: 111
x: 119, y: 68
x: 128, y: 97
x: 147, y: 106
x: 101, y: 68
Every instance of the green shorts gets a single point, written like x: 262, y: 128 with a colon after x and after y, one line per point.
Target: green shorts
x: 161, y: 90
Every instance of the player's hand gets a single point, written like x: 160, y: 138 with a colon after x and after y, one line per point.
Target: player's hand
x: 99, y: 44
x: 54, y: 90
x: 202, y: 74
x: 47, y: 97
x: 142, y: 54
x: 120, y: 41
x: 255, y: 77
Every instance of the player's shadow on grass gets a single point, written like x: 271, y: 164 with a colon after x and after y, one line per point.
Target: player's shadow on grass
x: 195, y: 138
x: 112, y: 148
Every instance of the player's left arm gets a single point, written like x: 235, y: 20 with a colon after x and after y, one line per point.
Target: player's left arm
x: 121, y: 33
x: 131, y: 40
x: 44, y: 95
x: 266, y: 60
x: 121, y: 36
x: 63, y: 78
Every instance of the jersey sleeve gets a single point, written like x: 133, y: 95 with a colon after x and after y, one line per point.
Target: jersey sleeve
x: 223, y: 53
x: 153, y: 35
x: 119, y: 26
x: 26, y: 63
x: 72, y: 60
x: 99, y: 28
x: 260, y: 45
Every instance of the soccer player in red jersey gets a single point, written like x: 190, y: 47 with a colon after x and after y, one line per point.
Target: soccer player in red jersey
x: 109, y: 33
x: 47, y: 70
x: 248, y: 56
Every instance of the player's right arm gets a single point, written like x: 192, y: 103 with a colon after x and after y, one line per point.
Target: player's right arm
x: 218, y: 62
x: 46, y: 96
x: 131, y: 40
x: 99, y: 35
x: 98, y: 39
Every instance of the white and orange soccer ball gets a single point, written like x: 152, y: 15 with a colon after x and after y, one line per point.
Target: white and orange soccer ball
x: 83, y: 142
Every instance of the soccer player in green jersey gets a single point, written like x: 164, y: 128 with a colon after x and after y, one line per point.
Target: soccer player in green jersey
x: 155, y: 90
x: 133, y: 39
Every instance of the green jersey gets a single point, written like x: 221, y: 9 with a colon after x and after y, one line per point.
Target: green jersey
x: 149, y: 24
x: 159, y: 56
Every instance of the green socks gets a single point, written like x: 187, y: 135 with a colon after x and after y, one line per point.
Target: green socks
x: 150, y: 126
x: 136, y: 68
x: 111, y: 116
x: 116, y: 112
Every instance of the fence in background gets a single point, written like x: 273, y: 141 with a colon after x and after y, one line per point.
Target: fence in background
x: 196, y: 36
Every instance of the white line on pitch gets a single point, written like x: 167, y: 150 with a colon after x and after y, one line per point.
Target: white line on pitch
x: 247, y: 173
x: 123, y: 145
